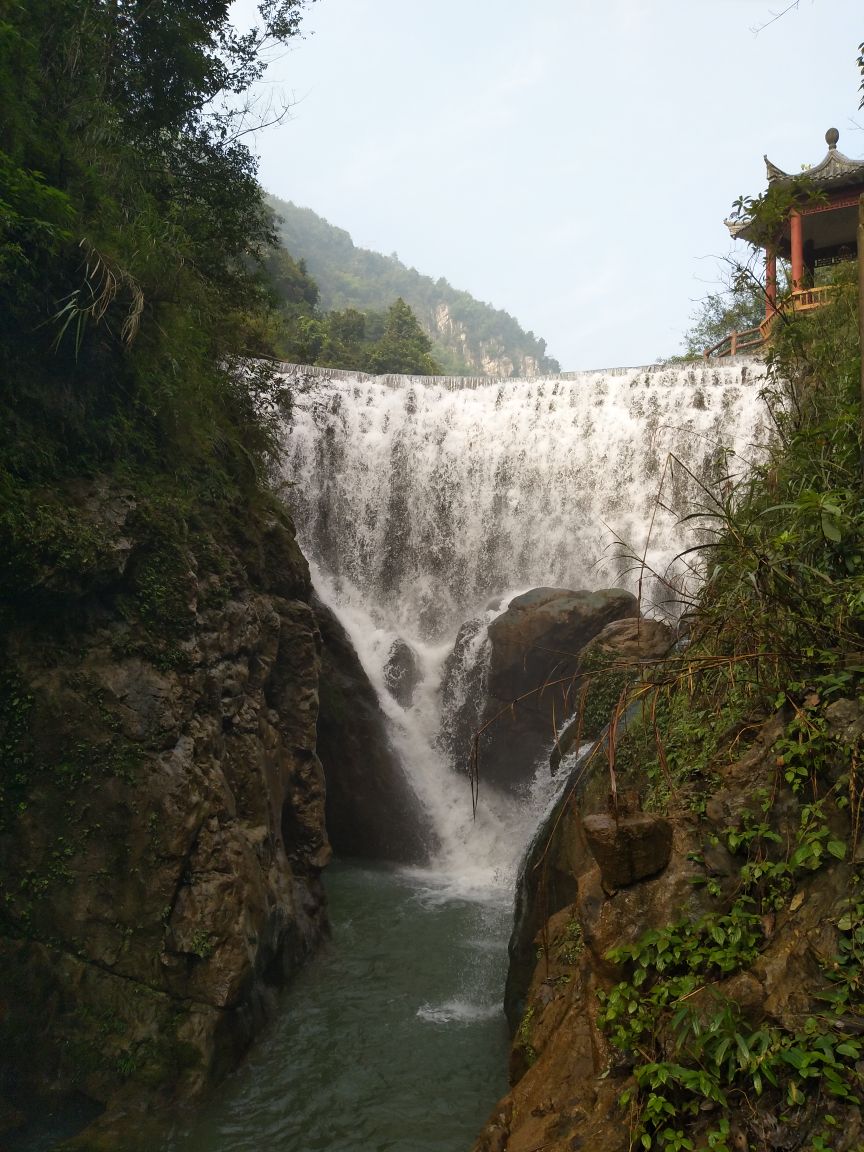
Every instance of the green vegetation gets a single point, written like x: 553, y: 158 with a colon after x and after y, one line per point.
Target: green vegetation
x: 735, y: 309
x: 137, y: 266
x: 356, y: 283
x: 771, y: 690
x: 375, y: 342
x: 136, y: 437
x: 523, y: 1037
x: 571, y: 944
x: 131, y: 225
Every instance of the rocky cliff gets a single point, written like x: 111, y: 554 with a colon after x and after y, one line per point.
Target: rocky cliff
x: 163, y: 829
x: 372, y: 811
x: 694, y: 976
x: 484, y: 357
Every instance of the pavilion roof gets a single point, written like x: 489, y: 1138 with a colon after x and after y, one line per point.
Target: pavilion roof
x: 834, y: 171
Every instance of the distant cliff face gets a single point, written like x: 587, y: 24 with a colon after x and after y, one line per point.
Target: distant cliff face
x: 163, y: 825
x: 488, y: 357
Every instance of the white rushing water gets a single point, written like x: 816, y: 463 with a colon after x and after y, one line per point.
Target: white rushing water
x: 424, y: 503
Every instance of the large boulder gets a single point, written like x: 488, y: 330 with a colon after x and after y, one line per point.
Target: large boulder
x: 534, y: 656
x: 628, y: 844
x: 402, y: 672
x: 372, y: 810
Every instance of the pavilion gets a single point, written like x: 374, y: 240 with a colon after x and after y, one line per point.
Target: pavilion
x: 819, y: 230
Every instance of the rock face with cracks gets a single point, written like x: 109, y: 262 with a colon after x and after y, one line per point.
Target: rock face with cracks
x: 163, y: 831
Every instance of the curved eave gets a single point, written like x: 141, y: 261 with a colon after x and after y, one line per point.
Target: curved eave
x: 740, y: 229
x: 834, y: 171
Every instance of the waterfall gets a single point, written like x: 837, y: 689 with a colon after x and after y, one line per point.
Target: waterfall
x: 423, y: 503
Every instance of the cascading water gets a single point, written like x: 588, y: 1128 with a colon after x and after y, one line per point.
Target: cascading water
x: 422, y: 504
x: 426, y: 499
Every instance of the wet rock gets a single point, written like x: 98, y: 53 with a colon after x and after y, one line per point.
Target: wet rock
x: 463, y: 693
x: 402, y: 673
x: 614, y: 658
x: 372, y: 810
x: 630, y: 848
x: 636, y: 639
x: 548, y: 881
x: 535, y: 648
x: 846, y: 720
x: 11, y: 1117
x: 541, y: 633
x: 168, y: 834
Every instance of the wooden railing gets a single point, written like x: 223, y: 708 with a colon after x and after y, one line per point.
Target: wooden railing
x: 801, y: 300
x: 737, y: 342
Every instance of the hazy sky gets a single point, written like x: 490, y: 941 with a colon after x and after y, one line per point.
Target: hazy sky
x: 570, y: 161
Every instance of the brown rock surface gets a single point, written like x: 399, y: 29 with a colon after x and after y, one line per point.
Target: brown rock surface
x: 566, y: 1081
x: 542, y: 632
x: 372, y: 810
x: 163, y: 829
x: 622, y: 646
x: 535, y: 642
x: 628, y: 847
x: 635, y: 638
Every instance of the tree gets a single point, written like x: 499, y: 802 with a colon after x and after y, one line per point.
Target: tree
x: 733, y: 309
x: 404, y: 347
x: 130, y: 215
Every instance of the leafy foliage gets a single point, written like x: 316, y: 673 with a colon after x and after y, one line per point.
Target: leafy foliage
x: 735, y: 309
x: 375, y: 342
x: 129, y: 215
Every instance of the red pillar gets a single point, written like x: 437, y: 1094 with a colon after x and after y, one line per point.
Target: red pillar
x: 797, y: 249
x: 770, y: 283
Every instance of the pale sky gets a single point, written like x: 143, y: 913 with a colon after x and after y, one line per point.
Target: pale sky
x: 570, y: 161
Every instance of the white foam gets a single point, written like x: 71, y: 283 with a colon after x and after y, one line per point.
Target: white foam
x: 419, y: 502
x: 458, y: 1012
x: 432, y: 499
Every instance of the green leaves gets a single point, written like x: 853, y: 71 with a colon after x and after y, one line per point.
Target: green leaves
x: 696, y: 1048
x: 830, y: 521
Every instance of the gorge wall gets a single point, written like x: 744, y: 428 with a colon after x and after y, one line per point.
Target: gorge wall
x: 163, y: 831
x: 429, y: 504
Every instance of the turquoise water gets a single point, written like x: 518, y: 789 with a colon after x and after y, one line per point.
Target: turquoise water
x: 392, y: 1038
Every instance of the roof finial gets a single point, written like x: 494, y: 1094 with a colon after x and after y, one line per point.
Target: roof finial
x: 831, y: 138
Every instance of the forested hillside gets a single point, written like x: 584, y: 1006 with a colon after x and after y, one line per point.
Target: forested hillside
x: 468, y: 337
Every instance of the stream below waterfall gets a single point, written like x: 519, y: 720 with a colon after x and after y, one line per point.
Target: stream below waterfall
x: 392, y: 1038
x: 422, y: 505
